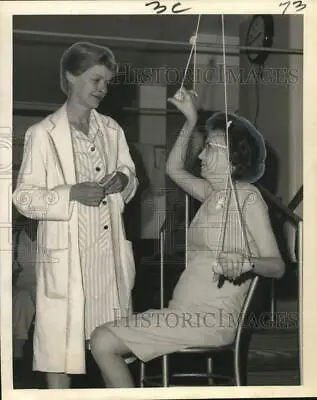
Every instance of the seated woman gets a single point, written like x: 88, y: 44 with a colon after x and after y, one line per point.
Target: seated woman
x: 230, y: 231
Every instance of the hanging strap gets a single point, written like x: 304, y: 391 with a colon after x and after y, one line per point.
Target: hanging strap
x: 193, y: 51
x: 230, y: 187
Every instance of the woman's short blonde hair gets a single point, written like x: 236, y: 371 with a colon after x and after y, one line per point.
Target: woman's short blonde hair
x: 80, y: 57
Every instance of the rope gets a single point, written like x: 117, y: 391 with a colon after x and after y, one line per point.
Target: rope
x: 193, y: 49
x: 229, y: 181
x: 186, y: 228
x: 195, y: 56
x: 232, y: 189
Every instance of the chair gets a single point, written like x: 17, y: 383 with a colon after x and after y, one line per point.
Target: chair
x: 238, y: 349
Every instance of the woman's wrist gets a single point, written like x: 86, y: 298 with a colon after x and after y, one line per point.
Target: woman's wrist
x: 192, y: 122
x: 188, y: 128
x: 72, y: 193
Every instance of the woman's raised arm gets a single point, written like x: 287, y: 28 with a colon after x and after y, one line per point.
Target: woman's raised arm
x: 175, y: 167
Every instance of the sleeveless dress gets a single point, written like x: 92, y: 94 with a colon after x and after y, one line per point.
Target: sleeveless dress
x: 201, y: 312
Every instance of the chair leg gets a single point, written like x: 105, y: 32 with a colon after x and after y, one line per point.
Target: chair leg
x: 241, y: 366
x: 142, y: 373
x: 209, y: 371
x: 165, y: 372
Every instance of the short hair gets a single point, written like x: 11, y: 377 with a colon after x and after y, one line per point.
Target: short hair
x: 81, y: 56
x: 247, y: 149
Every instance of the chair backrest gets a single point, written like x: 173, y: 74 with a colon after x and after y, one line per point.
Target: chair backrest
x: 246, y: 310
x: 243, y: 332
x: 249, y: 308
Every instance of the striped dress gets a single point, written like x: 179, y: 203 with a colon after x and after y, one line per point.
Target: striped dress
x: 95, y: 245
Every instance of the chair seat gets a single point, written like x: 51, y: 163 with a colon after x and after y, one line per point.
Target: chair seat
x: 206, y: 349
x: 130, y: 359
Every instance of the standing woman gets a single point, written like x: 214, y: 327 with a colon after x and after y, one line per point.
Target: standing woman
x: 75, y: 178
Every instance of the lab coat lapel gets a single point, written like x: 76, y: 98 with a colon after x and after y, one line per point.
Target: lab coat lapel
x: 59, y: 131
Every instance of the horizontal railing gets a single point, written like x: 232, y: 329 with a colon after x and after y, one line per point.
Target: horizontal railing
x: 276, y: 202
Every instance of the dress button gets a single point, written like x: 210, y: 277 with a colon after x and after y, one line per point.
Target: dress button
x: 97, y: 169
x: 104, y: 202
x: 92, y: 148
x: 105, y: 227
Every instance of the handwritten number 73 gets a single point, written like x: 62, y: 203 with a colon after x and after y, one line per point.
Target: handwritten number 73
x: 298, y: 4
x: 160, y: 9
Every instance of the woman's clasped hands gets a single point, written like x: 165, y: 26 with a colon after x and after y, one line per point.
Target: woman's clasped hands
x: 232, y: 265
x: 92, y: 193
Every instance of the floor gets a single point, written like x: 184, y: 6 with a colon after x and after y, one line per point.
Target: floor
x: 273, y: 360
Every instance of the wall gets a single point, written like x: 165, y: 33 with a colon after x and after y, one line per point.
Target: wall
x: 296, y: 107
x: 36, y: 80
x: 210, y: 75
x: 280, y: 117
x: 280, y: 100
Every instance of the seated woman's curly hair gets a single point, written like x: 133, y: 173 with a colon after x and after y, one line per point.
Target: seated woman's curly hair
x: 246, y: 146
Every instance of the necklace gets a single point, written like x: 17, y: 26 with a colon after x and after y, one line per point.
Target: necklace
x: 221, y: 201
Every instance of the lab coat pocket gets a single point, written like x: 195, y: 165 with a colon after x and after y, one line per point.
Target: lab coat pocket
x: 53, y: 235
x: 55, y: 271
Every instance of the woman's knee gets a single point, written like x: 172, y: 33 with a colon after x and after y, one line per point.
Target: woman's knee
x: 103, y: 340
x: 100, y: 339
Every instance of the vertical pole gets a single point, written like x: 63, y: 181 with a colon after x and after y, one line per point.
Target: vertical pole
x: 162, y: 269
x: 300, y: 296
x: 273, y: 301
x: 165, y: 370
x: 186, y: 228
x: 164, y: 358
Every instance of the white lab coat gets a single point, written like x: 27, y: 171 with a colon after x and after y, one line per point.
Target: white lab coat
x: 46, y: 175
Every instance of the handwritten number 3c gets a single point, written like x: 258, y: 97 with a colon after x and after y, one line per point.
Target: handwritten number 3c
x: 159, y: 8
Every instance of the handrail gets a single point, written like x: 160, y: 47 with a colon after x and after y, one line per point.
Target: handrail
x: 207, y: 47
x: 297, y: 199
x: 291, y: 216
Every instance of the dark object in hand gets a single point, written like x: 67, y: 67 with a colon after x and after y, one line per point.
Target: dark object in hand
x: 116, y: 183
x: 123, y: 178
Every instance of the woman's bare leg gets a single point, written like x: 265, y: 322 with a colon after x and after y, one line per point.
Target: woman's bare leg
x: 108, y: 351
x: 57, y: 380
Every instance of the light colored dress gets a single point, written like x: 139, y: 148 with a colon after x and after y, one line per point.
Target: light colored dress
x: 95, y: 244
x: 199, y: 313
